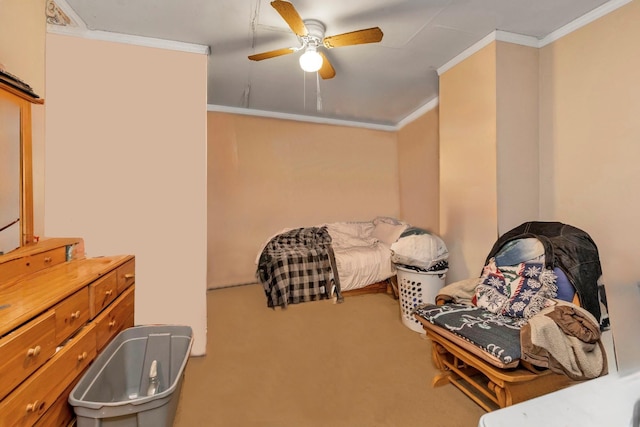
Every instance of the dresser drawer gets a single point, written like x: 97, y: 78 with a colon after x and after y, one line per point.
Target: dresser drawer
x: 33, y: 263
x: 126, y: 275
x: 26, y: 404
x: 71, y: 314
x: 25, y: 350
x: 47, y: 259
x: 61, y: 413
x: 117, y: 317
x: 102, y: 292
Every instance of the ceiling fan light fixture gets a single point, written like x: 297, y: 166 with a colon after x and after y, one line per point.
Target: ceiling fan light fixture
x: 311, y: 60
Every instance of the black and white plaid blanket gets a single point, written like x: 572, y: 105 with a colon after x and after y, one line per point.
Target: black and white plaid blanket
x: 298, y: 266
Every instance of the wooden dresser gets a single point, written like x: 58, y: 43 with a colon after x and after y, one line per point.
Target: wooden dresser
x: 58, y: 310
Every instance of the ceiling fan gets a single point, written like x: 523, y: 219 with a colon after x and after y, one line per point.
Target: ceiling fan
x: 311, y: 35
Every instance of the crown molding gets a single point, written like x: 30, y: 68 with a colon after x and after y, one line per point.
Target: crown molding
x: 299, y: 118
x: 497, y: 35
x: 523, y: 40
x: 505, y: 36
x: 485, y: 41
x: 129, y: 39
x: 61, y: 19
x: 324, y: 120
x: 418, y: 113
x: 585, y: 19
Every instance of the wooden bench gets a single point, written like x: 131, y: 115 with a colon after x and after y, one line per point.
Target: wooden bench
x: 489, y: 386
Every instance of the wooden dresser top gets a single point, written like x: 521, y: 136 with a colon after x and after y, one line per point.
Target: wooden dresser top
x: 28, y: 296
x: 44, y: 244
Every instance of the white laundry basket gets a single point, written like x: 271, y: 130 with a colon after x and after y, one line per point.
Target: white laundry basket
x: 416, y: 288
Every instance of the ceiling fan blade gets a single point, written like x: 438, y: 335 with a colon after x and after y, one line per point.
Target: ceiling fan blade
x: 370, y: 35
x: 326, y: 71
x: 291, y: 16
x: 271, y: 54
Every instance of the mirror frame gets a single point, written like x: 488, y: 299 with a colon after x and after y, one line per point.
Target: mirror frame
x: 26, y: 158
x: 24, y: 101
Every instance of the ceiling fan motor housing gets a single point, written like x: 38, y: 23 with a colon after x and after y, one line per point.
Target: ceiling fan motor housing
x: 315, y: 33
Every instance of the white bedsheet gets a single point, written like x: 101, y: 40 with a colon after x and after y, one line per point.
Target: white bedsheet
x: 360, y: 259
x: 360, y: 266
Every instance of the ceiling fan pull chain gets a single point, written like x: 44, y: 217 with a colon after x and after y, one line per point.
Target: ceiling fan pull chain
x: 245, y: 95
x: 318, y: 95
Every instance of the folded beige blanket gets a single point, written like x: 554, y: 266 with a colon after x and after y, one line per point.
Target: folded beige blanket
x: 566, y: 339
x: 460, y: 292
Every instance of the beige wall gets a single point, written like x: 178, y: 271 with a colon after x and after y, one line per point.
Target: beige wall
x: 468, y: 192
x: 268, y: 174
x: 22, y: 40
x: 418, y: 170
x: 126, y: 167
x: 590, y: 148
x: 489, y: 151
x: 517, y: 136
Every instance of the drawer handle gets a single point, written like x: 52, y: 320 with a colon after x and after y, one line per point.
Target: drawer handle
x: 109, y: 292
x: 82, y: 356
x: 35, y: 406
x: 129, y: 276
x: 75, y: 315
x: 47, y: 259
x: 112, y: 323
x: 33, y: 352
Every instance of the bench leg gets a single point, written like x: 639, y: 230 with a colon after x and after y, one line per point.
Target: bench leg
x: 489, y: 387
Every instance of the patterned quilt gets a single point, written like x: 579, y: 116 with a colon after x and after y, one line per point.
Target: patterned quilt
x: 496, y: 334
x: 298, y: 266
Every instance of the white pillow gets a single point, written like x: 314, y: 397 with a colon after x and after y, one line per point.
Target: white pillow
x: 388, y: 220
x: 388, y: 233
x: 419, y: 250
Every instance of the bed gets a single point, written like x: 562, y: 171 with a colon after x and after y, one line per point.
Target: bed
x: 328, y: 261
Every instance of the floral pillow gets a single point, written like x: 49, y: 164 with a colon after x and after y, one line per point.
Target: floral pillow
x: 516, y: 291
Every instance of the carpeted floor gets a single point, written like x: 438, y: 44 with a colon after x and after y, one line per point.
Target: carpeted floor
x: 314, y: 364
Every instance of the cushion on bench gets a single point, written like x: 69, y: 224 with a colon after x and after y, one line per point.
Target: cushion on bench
x: 492, y: 335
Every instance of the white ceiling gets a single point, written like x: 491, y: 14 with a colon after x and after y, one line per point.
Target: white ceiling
x: 379, y: 84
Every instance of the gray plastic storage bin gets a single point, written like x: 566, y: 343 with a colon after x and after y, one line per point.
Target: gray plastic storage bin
x: 113, y: 392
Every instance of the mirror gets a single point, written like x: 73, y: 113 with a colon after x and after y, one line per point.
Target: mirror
x: 10, y: 175
x: 16, y: 182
